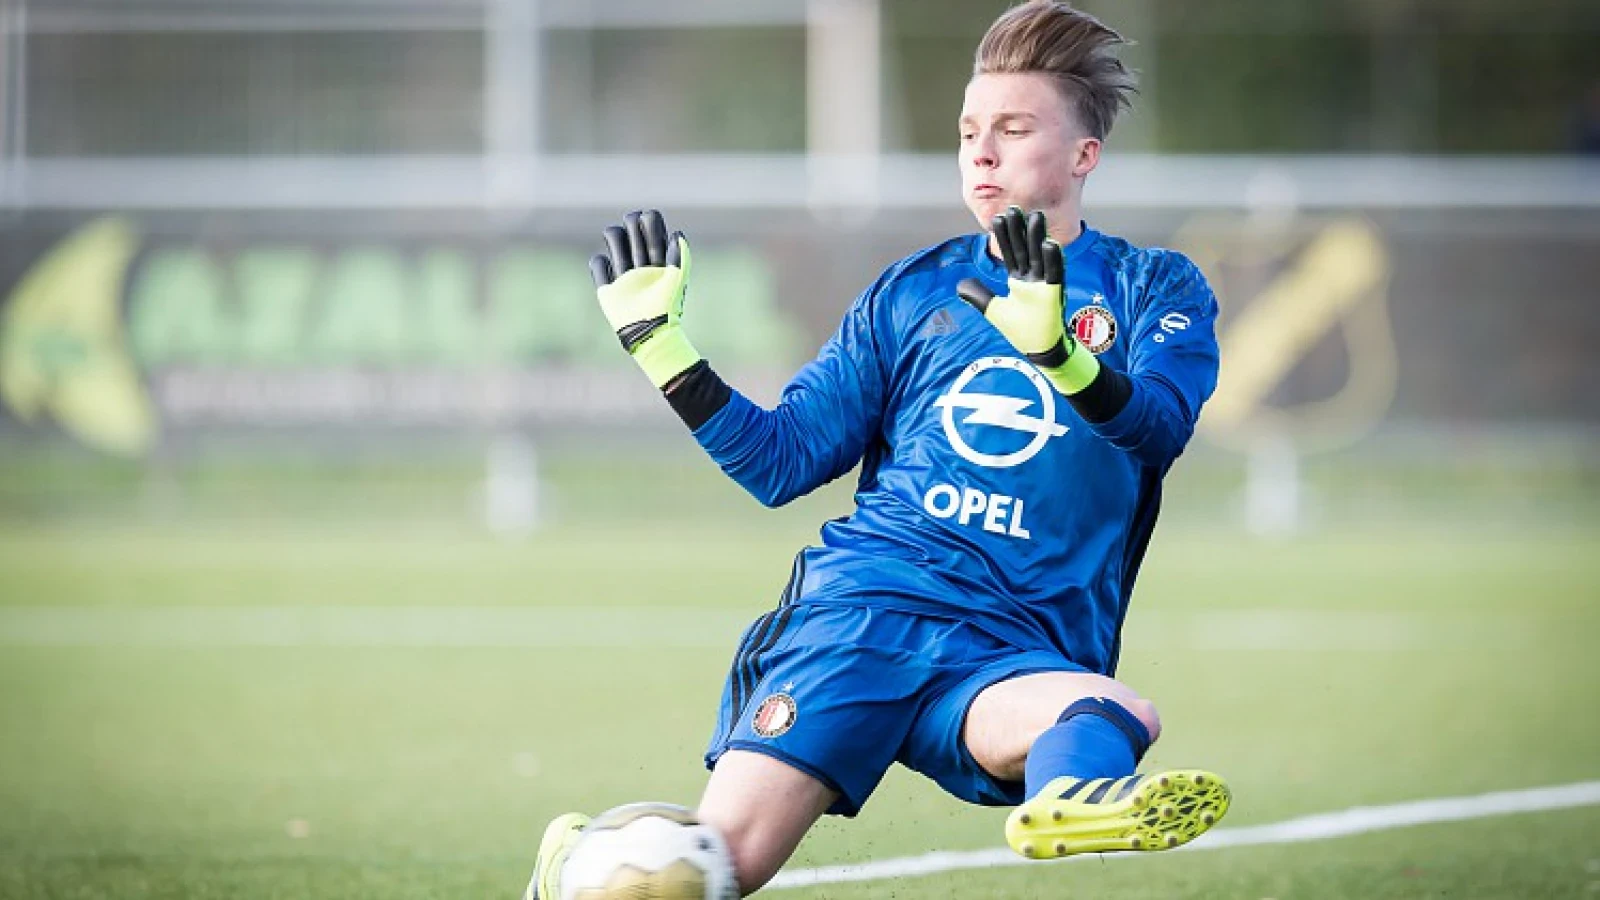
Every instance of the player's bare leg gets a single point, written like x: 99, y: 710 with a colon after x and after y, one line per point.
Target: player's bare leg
x: 763, y: 807
x: 1007, y: 718
x: 1076, y: 812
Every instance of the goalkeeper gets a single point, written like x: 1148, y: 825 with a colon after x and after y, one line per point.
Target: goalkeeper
x: 1013, y: 399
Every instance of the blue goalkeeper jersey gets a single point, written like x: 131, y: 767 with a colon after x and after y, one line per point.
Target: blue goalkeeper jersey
x: 983, y: 495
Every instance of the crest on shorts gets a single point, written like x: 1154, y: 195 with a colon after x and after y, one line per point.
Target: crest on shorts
x: 775, y: 715
x: 1094, y: 328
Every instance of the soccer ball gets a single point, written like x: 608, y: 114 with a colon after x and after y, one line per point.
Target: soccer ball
x: 649, y: 851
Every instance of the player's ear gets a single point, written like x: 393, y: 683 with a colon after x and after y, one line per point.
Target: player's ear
x: 1086, y: 157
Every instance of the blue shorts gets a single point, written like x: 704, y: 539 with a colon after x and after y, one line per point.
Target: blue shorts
x: 841, y: 692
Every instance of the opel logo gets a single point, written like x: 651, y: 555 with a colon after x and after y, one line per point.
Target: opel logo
x: 1001, y: 411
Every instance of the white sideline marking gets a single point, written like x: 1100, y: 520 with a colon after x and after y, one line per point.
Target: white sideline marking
x: 693, y: 627
x: 1360, y: 820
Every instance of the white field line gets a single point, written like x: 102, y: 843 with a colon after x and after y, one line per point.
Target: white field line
x: 1323, y: 826
x: 693, y: 627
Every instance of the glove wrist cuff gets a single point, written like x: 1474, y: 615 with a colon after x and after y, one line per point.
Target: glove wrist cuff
x: 665, y: 354
x: 698, y: 394
x: 1053, y: 358
x: 1076, y: 373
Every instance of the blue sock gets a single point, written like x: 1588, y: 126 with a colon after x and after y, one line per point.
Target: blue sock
x: 1094, y: 738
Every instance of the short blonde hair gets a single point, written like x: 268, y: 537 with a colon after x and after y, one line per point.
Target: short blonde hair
x: 1071, y: 46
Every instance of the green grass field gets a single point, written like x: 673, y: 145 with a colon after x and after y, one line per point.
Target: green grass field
x: 254, y: 711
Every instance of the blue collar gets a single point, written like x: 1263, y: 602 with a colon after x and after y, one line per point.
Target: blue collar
x: 994, y: 270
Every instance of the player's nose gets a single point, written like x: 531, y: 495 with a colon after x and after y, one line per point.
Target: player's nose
x: 983, y: 154
x: 979, y: 151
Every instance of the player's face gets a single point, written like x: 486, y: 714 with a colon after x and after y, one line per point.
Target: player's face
x: 1020, y: 146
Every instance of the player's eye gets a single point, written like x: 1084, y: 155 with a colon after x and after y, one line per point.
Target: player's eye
x: 1016, y: 132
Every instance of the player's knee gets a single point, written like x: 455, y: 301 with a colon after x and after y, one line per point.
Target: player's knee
x: 755, y: 861
x: 1145, y: 712
x: 758, y: 843
x: 763, y: 807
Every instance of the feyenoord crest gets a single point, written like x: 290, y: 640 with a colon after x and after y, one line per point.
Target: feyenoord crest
x: 1094, y: 328
x: 775, y: 715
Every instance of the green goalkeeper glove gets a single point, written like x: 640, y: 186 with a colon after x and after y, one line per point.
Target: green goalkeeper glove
x: 641, y: 286
x: 1030, y: 313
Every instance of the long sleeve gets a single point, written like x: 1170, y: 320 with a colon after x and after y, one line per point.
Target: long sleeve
x: 1172, y: 365
x: 825, y: 419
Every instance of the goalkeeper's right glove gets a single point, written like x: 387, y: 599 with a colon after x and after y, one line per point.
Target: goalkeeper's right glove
x: 641, y: 286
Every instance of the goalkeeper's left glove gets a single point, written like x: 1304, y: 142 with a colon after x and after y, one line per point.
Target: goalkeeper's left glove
x: 641, y: 283
x: 1030, y: 314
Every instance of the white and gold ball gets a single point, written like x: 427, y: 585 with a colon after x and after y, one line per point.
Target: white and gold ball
x: 649, y: 851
